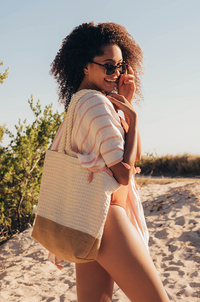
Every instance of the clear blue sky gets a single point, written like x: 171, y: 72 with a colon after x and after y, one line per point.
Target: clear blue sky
x: 168, y: 31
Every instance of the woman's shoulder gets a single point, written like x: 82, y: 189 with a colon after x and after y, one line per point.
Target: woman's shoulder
x: 94, y: 96
x: 96, y: 109
x: 95, y: 101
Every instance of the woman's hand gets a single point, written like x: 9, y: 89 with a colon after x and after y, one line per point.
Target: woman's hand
x: 121, y: 103
x: 126, y: 85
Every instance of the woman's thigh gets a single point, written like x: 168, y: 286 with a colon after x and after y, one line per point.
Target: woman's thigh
x: 124, y: 256
x: 93, y: 283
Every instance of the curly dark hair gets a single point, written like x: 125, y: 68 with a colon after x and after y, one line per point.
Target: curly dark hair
x: 82, y: 45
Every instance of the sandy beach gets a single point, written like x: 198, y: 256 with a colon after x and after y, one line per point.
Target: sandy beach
x: 172, y: 213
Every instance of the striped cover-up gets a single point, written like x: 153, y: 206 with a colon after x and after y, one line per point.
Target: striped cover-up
x: 98, y: 140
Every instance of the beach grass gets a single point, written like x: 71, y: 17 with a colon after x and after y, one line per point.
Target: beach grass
x: 172, y: 166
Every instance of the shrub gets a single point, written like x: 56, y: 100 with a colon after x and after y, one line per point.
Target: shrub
x: 21, y: 165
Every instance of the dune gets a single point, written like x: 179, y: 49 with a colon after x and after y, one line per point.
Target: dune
x: 173, y: 217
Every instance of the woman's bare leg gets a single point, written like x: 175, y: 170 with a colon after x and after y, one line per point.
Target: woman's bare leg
x: 124, y: 256
x: 93, y: 283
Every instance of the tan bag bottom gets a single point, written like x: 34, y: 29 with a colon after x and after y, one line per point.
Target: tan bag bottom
x: 66, y: 243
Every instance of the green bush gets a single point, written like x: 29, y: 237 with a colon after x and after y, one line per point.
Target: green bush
x: 21, y: 165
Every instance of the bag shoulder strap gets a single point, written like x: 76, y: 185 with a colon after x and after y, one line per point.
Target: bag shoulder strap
x: 65, y: 144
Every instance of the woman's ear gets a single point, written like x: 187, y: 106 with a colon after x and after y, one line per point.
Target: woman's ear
x: 85, y: 70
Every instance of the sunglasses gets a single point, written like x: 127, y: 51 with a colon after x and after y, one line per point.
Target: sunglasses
x: 110, y: 69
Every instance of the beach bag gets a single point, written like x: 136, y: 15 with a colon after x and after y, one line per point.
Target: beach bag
x: 72, y: 211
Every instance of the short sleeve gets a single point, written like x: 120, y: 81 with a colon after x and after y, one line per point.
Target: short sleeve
x: 97, y: 131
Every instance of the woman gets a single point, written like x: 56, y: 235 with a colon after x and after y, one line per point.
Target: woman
x: 105, y: 59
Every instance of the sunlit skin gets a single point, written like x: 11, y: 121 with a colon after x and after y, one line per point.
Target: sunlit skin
x: 123, y: 256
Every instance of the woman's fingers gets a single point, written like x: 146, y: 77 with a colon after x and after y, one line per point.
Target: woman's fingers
x: 126, y: 85
x: 130, y: 70
x: 121, y: 102
x: 128, y: 75
x: 116, y: 98
x: 118, y: 102
x: 129, y: 81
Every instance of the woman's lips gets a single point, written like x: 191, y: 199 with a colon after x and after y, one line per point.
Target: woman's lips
x: 111, y: 82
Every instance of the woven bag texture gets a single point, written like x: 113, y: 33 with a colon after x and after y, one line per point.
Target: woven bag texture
x: 66, y: 196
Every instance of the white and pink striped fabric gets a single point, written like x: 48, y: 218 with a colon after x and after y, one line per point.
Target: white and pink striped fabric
x: 98, y: 140
x: 97, y: 135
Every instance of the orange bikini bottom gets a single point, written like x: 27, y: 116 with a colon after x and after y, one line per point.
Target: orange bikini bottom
x: 119, y: 197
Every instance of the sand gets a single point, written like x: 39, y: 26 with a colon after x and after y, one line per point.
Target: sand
x: 173, y: 217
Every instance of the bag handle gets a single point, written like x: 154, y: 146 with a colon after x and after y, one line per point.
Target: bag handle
x: 65, y: 144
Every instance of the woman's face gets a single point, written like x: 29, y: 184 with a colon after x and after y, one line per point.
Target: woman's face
x: 95, y: 75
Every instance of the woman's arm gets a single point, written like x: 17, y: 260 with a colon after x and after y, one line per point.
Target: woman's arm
x: 121, y: 173
x: 132, y: 148
x: 139, y: 147
x: 126, y: 87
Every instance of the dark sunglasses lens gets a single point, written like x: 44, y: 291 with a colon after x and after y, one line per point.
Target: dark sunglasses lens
x: 110, y: 69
